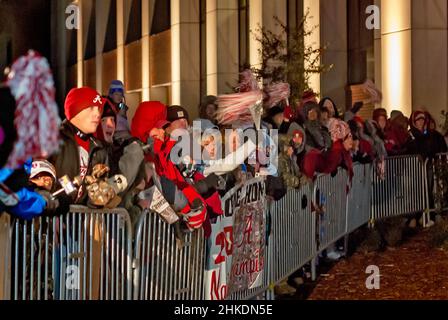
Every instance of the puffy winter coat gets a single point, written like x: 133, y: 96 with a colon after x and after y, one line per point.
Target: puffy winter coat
x: 317, y: 162
x: 67, y: 162
x: 145, y: 119
x: 17, y: 198
x: 288, y: 167
x: 427, y: 143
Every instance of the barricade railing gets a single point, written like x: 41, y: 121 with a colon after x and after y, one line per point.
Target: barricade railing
x: 5, y: 256
x: 403, y: 191
x: 438, y: 182
x: 359, y: 197
x: 90, y: 254
x: 330, y: 194
x: 291, y: 242
x: 82, y: 255
x: 162, y: 269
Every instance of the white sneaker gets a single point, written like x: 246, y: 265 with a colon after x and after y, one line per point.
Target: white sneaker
x: 413, y: 224
x: 334, y: 255
x: 430, y: 224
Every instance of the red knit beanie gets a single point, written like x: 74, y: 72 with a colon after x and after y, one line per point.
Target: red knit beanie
x: 79, y: 99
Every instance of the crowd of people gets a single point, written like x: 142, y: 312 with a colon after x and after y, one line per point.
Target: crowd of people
x: 98, y: 158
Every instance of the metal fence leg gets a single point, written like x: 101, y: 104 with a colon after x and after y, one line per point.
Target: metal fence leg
x: 5, y: 256
x: 270, y: 295
x: 346, y: 237
x: 313, y: 268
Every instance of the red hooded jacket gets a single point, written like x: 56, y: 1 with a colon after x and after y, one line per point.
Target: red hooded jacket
x: 145, y: 119
x: 316, y: 161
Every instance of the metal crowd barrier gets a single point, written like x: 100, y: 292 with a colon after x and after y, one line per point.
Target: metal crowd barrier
x: 89, y: 254
x: 331, y: 197
x: 5, y: 256
x: 82, y: 255
x: 291, y: 242
x: 438, y: 182
x: 359, y: 197
x: 163, y: 270
x: 404, y: 190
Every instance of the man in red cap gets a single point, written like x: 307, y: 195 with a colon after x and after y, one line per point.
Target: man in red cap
x: 79, y: 150
x: 125, y: 157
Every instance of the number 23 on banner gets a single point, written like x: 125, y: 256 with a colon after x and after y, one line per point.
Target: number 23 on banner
x: 225, y: 240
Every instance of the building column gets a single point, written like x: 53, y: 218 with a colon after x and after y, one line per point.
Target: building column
x: 121, y: 34
x: 333, y: 32
x: 185, y: 54
x: 414, y: 56
x: 80, y: 45
x: 429, y: 56
x: 102, y: 13
x: 377, y: 53
x: 147, y: 14
x: 273, y: 9
x: 255, y: 24
x: 222, y: 45
x: 396, y: 63
x: 59, y: 54
x: 314, y: 39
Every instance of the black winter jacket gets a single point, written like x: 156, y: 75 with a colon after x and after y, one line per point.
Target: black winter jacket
x: 67, y: 162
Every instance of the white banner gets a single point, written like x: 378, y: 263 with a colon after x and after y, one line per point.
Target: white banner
x: 235, y: 249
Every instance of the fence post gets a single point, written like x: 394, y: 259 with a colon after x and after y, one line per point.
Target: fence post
x: 5, y: 256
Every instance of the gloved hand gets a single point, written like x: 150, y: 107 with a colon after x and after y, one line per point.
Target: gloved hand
x: 118, y: 182
x: 191, y: 217
x: 357, y: 106
x: 52, y: 203
x: 102, y: 194
x: 211, y: 183
x: 99, y: 171
x: 17, y: 180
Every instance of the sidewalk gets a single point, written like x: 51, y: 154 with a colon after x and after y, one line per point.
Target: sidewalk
x: 411, y: 271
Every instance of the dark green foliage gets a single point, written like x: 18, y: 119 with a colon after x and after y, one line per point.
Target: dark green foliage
x: 287, y: 59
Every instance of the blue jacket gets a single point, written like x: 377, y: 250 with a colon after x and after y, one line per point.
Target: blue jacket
x: 30, y: 205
